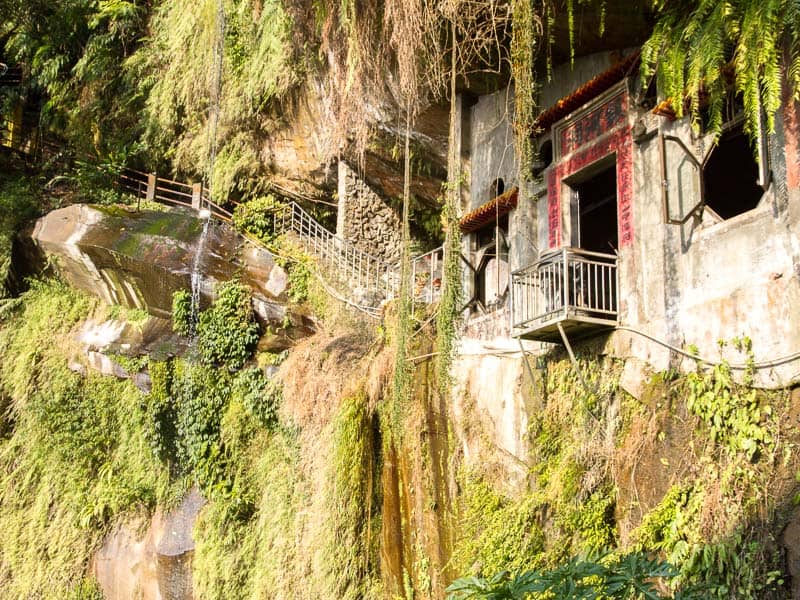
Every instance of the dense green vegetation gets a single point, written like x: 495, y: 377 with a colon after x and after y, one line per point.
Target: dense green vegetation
x: 372, y: 498
x: 135, y: 81
x: 704, y: 49
x: 18, y: 203
x: 290, y: 494
x: 74, y: 452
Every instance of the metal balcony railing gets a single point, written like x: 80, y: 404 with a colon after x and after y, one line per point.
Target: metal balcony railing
x: 564, y: 284
x: 426, y: 275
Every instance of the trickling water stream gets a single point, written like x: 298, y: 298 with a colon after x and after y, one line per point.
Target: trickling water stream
x: 205, y: 214
x: 196, y: 278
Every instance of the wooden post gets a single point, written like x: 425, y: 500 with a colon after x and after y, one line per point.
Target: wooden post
x: 151, y: 187
x: 197, y: 192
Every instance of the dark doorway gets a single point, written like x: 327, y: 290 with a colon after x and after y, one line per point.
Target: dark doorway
x: 597, y: 209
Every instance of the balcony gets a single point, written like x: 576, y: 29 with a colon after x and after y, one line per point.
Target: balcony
x: 567, y: 289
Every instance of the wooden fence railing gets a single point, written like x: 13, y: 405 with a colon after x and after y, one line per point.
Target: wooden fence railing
x: 150, y: 186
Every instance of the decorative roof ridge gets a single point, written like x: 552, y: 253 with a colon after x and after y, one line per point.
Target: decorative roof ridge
x: 586, y: 92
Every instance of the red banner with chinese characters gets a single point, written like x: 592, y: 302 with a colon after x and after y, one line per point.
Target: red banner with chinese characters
x: 598, y: 133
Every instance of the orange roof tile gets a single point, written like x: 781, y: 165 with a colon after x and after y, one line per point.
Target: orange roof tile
x: 591, y: 89
x: 487, y: 213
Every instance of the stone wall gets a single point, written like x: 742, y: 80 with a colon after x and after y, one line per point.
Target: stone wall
x: 366, y: 219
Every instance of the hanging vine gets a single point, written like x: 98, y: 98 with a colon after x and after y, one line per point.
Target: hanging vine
x: 701, y: 50
x: 526, y: 28
x: 446, y: 319
x: 401, y: 388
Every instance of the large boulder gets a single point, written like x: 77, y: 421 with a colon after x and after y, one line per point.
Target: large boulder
x: 139, y: 258
x: 154, y: 565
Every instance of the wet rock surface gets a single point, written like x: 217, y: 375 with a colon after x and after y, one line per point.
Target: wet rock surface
x: 156, y: 564
x: 139, y: 259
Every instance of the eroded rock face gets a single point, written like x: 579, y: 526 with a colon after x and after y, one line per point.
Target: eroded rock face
x: 139, y: 259
x: 155, y: 565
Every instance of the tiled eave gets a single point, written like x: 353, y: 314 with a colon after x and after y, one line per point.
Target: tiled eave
x: 487, y: 213
x: 588, y: 91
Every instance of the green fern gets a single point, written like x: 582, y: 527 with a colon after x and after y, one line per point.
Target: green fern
x: 701, y: 51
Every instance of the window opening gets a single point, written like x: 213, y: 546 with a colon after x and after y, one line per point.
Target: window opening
x: 544, y: 157
x: 497, y: 188
x: 731, y: 175
x: 597, y: 212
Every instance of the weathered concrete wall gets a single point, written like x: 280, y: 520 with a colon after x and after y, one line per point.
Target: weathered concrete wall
x: 713, y: 279
x: 366, y: 219
x: 489, y: 412
x: 692, y: 284
x: 491, y: 146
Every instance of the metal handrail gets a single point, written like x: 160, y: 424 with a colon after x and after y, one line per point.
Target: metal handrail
x: 565, y: 282
x: 427, y: 275
x: 368, y: 279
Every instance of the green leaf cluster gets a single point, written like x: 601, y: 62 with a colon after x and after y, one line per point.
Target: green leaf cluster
x: 352, y: 492
x: 259, y: 396
x: 498, y: 532
x: 182, y: 312
x: 227, y: 332
x: 177, y: 83
x: 704, y: 49
x: 732, y: 412
x: 18, y: 204
x: 629, y: 577
x: 257, y: 217
x: 75, y: 52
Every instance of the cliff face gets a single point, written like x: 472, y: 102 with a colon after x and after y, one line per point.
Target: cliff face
x: 319, y: 479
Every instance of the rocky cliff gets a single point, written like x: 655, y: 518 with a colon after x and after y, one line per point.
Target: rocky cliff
x: 139, y: 259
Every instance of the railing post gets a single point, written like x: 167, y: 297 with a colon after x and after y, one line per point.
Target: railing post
x: 151, y: 187
x: 197, y: 192
x: 566, y: 283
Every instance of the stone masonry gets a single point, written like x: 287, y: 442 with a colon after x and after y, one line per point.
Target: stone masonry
x: 366, y: 219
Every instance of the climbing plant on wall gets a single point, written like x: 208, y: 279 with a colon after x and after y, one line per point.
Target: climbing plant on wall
x: 526, y: 26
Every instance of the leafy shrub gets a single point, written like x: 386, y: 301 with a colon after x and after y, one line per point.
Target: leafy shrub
x: 256, y: 217
x: 350, y: 500
x: 87, y: 589
x: 201, y: 395
x: 732, y: 411
x: 159, y: 413
x: 498, y: 532
x: 299, y: 280
x: 18, y: 204
x: 227, y: 332
x: 735, y: 567
x: 626, y: 578
x: 260, y: 396
x: 660, y: 528
x: 594, y: 521
x: 182, y: 312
